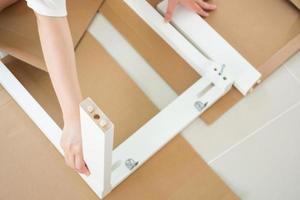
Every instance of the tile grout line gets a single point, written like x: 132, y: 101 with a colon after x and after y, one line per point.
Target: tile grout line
x: 292, y: 74
x: 253, y: 133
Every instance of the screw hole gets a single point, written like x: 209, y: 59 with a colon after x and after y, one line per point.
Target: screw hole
x: 96, y: 116
x: 224, y: 78
x: 215, y: 69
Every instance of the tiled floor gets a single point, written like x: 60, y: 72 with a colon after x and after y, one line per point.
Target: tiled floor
x: 254, y: 146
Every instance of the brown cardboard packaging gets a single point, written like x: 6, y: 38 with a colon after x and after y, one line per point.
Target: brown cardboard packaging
x: 18, y: 31
x: 32, y: 169
x: 296, y: 3
x: 265, y: 32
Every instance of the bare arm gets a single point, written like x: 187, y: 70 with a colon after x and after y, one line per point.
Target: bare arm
x: 59, y: 55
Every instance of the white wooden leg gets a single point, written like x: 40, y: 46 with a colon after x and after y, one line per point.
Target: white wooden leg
x: 97, y: 141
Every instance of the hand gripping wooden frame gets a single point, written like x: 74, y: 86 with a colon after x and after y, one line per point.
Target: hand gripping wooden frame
x: 204, y: 49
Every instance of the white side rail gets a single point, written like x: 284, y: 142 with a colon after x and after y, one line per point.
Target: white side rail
x: 30, y: 106
x: 207, y: 40
x: 194, y: 29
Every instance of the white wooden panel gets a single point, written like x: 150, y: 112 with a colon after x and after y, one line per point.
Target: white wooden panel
x: 164, y: 126
x: 97, y: 142
x: 212, y: 44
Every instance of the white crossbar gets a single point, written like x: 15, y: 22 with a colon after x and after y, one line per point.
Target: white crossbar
x: 163, y: 127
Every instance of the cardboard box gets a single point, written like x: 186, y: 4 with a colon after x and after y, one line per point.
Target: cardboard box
x: 296, y: 3
x: 18, y: 29
x: 35, y: 170
x: 254, y: 33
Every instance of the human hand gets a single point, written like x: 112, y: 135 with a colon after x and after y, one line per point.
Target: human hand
x: 199, y: 6
x: 71, y: 143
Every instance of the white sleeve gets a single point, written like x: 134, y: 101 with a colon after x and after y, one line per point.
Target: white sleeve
x: 53, y: 8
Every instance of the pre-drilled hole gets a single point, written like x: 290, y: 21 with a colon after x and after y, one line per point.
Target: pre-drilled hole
x: 96, y: 116
x: 215, y: 69
x: 224, y: 78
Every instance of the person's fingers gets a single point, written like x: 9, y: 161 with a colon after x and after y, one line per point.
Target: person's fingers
x: 80, y: 165
x: 70, y: 160
x: 200, y: 10
x: 171, y: 7
x: 206, y: 6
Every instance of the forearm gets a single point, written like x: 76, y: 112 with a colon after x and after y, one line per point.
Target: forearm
x: 59, y: 56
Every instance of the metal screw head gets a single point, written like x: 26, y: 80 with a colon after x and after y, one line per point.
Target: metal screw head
x: 130, y: 163
x: 199, y: 105
x: 222, y: 69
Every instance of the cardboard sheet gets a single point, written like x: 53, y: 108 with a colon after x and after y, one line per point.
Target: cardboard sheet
x: 33, y: 168
x: 18, y: 30
x: 296, y: 3
x: 253, y: 34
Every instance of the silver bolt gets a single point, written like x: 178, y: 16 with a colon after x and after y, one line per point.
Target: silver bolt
x: 130, y: 163
x: 222, y: 69
x: 200, y: 106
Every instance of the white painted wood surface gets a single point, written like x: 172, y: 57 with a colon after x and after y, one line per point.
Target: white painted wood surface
x: 213, y: 45
x: 109, y: 167
x: 164, y: 126
x: 217, y: 49
x: 97, y: 142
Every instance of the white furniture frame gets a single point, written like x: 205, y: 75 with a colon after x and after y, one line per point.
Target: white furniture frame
x: 110, y: 167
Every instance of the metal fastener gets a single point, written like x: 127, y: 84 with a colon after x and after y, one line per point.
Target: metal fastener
x: 130, y: 163
x: 200, y: 105
x: 222, y: 69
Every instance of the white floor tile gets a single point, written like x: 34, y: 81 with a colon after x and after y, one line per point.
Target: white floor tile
x: 272, y: 97
x: 293, y: 65
x: 266, y: 166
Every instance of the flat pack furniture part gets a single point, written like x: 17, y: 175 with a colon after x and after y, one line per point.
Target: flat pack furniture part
x: 265, y: 46
x: 204, y: 38
x: 110, y: 167
x: 132, y: 153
